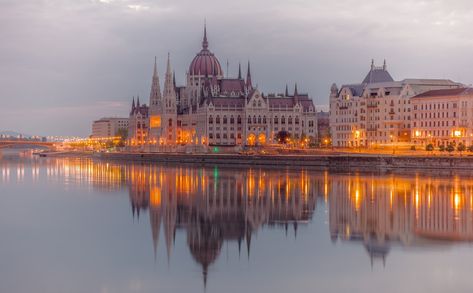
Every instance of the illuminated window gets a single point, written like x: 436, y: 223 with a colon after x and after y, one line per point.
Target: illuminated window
x: 155, y: 121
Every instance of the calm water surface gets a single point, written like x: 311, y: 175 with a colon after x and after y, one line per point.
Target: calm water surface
x: 79, y: 225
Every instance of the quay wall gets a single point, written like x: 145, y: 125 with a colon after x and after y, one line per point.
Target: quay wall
x: 326, y: 162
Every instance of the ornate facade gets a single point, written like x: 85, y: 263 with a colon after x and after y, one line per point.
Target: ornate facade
x: 376, y: 111
x: 212, y: 109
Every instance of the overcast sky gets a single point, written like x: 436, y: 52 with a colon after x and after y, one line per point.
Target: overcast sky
x: 66, y: 63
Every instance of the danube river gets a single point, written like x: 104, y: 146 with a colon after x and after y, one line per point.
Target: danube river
x: 83, y: 225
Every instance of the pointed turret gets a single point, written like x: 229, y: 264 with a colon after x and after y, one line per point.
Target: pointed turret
x: 205, y: 43
x: 239, y: 70
x: 249, y: 85
x: 169, y: 92
x: 174, y: 78
x: 133, y: 106
x: 287, y: 91
x: 384, y: 65
x: 295, y: 90
x: 138, y: 102
x: 155, y: 94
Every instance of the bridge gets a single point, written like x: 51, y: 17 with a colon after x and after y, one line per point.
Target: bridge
x: 26, y: 143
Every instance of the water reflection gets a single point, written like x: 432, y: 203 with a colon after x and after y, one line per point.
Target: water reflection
x: 214, y: 206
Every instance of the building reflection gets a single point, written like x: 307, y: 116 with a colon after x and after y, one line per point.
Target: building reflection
x: 216, y: 205
x: 395, y: 210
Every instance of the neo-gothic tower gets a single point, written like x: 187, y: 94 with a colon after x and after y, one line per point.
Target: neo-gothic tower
x: 155, y: 107
x: 169, y: 113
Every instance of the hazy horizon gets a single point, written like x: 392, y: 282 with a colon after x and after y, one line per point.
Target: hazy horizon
x: 67, y: 63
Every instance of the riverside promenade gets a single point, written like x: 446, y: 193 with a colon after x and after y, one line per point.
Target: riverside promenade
x: 324, y: 161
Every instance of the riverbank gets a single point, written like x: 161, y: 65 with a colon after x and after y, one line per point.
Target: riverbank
x: 324, y: 161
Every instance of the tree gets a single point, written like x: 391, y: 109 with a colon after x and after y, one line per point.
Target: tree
x: 461, y: 147
x: 283, y: 137
x: 123, y: 134
x: 429, y: 147
x: 450, y: 148
x: 442, y: 148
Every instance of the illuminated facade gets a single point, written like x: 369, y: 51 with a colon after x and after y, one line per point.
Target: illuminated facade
x: 376, y: 111
x: 441, y: 117
x: 108, y: 127
x: 215, y: 110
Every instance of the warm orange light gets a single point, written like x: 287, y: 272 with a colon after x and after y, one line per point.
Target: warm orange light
x: 155, y: 121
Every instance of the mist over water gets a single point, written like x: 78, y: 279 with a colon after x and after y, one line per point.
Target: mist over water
x: 82, y: 225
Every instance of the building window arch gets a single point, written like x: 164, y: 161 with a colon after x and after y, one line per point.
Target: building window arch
x: 259, y: 119
x: 249, y: 119
x: 239, y: 119
x: 225, y: 119
x: 170, y: 122
x: 276, y: 121
x: 264, y: 119
x: 217, y: 120
x: 289, y: 120
x: 211, y: 119
x: 232, y: 120
x: 297, y: 120
x: 283, y: 120
x: 254, y: 119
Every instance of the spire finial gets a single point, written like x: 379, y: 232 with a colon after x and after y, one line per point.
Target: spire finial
x: 155, y: 71
x: 372, y: 64
x: 239, y: 70
x: 249, y: 85
x: 384, y: 65
x: 287, y: 91
x: 295, y: 90
x: 205, y: 43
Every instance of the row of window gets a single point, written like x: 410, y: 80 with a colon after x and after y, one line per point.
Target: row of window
x: 259, y: 120
x: 434, y: 106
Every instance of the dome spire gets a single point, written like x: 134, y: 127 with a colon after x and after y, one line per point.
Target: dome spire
x: 205, y: 43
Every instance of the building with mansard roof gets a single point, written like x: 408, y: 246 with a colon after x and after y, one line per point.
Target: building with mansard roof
x: 217, y: 110
x: 377, y: 111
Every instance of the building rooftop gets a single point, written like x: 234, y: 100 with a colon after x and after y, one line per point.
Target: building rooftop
x: 446, y: 92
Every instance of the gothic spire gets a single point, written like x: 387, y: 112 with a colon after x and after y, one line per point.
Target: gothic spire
x: 287, y: 91
x: 138, y: 102
x: 133, y: 111
x: 239, y: 70
x: 295, y: 90
x: 155, y: 93
x: 174, y: 78
x: 249, y: 85
x: 205, y: 43
x: 169, y: 91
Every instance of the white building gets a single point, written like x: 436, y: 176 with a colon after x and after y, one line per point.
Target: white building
x: 376, y: 111
x: 215, y: 110
x: 108, y: 127
x: 441, y: 117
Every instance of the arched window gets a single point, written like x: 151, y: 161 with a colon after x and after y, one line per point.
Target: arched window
x: 283, y: 120
x: 276, y: 121
x: 249, y: 119
x: 232, y: 120
x: 259, y: 119
x: 239, y: 119
x: 289, y: 120
x: 224, y: 119
x: 217, y: 120
x: 211, y: 120
x: 297, y: 120
x: 264, y: 119
x: 170, y: 122
x: 254, y: 104
x: 259, y: 103
x: 254, y: 119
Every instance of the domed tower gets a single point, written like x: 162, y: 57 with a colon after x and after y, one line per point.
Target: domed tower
x: 204, y: 66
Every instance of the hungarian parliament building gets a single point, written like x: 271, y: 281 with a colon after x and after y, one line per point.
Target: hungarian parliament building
x: 214, y: 110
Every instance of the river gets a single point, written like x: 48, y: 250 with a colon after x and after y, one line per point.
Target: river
x: 89, y: 225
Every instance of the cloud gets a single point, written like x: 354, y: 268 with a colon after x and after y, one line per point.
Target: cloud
x: 76, y: 52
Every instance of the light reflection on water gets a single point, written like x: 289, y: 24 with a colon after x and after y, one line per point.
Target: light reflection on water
x: 212, y: 208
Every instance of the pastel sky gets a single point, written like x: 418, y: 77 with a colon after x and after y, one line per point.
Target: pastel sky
x: 64, y: 63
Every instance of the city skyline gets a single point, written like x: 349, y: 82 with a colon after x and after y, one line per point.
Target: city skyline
x: 78, y: 61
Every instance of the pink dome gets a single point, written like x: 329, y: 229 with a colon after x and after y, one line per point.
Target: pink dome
x: 205, y: 62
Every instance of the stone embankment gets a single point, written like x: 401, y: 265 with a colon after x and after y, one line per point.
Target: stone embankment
x: 341, y: 162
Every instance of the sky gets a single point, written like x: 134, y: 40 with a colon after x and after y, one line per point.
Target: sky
x: 66, y: 63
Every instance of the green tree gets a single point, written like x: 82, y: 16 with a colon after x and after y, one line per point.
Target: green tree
x: 450, y: 148
x: 123, y: 134
x: 283, y: 137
